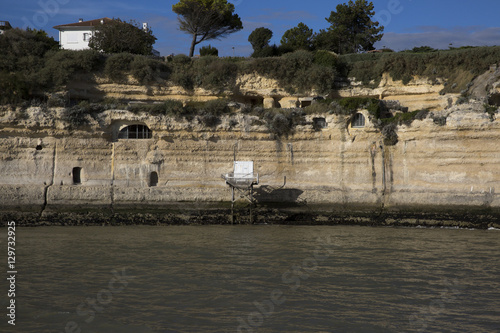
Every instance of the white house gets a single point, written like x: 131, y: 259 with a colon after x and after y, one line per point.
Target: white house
x: 76, y: 36
x: 4, y: 25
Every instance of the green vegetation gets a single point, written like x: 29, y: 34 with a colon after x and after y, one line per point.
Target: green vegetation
x: 296, y: 72
x: 260, y: 38
x: 406, y: 118
x: 117, y: 36
x: 351, y: 29
x: 352, y: 104
x: 282, y: 122
x: 209, y: 51
x: 32, y: 65
x: 206, y: 19
x: 23, y: 54
x: 298, y: 38
x: 457, y: 66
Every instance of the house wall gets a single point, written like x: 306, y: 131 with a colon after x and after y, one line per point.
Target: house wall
x: 74, y: 39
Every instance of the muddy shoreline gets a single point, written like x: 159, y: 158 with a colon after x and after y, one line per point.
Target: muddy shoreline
x: 221, y: 214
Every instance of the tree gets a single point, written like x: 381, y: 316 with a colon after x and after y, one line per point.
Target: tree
x: 260, y: 38
x: 352, y: 29
x: 298, y: 38
x: 209, y: 51
x: 206, y: 19
x: 118, y: 36
x: 23, y: 53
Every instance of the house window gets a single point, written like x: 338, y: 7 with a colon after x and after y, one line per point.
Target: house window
x: 358, y: 120
x: 153, y: 179
x: 77, y: 175
x: 135, y: 132
x: 86, y: 36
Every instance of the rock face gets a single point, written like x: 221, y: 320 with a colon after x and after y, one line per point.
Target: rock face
x: 337, y: 170
x: 420, y: 93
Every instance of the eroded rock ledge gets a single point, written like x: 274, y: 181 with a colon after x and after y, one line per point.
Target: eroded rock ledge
x: 436, y: 174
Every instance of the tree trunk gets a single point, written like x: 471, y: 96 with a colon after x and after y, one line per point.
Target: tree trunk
x: 193, y: 44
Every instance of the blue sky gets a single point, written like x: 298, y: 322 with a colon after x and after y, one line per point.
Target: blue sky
x: 408, y: 23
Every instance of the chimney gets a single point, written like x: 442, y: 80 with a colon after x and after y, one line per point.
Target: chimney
x: 80, y: 20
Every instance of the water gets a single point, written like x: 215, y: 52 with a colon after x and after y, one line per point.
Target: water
x: 255, y: 279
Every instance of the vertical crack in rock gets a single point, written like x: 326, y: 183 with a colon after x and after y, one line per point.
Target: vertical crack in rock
x: 46, y: 188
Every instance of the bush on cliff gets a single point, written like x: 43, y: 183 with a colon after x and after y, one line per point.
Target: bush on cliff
x: 118, y: 66
x: 282, y: 122
x: 296, y: 72
x: 22, y: 57
x: 351, y: 105
x: 209, y: 51
x: 78, y: 115
x: 60, y: 66
x: 147, y: 70
x: 457, y: 66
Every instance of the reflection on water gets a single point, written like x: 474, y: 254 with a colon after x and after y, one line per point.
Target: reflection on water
x: 256, y: 279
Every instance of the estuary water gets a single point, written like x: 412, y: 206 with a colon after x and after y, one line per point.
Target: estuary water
x: 254, y: 279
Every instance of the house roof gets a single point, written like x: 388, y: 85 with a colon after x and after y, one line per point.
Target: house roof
x: 5, y: 25
x: 91, y: 23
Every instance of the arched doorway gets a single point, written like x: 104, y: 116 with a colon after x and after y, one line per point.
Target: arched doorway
x: 77, y: 175
x: 153, y: 179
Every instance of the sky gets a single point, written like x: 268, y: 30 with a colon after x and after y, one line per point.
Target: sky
x: 408, y: 23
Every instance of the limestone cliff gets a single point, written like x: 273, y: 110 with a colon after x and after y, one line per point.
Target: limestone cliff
x: 419, y: 93
x: 336, y: 171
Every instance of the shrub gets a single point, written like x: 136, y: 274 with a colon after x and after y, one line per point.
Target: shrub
x: 183, y: 79
x: 56, y: 100
x: 406, y: 118
x: 353, y: 104
x: 318, y: 107
x: 439, y: 120
x: 456, y: 66
x: 213, y: 73
x: 117, y: 65
x: 14, y: 88
x: 181, y: 59
x: 491, y: 110
x: 209, y: 119
x: 209, y: 51
x: 209, y: 113
x: 281, y: 122
x: 325, y: 58
x: 147, y: 70
x: 294, y: 71
x: 142, y: 69
x: 217, y: 107
x: 77, y: 115
x: 389, y: 132
x: 170, y: 107
x: 61, y: 65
